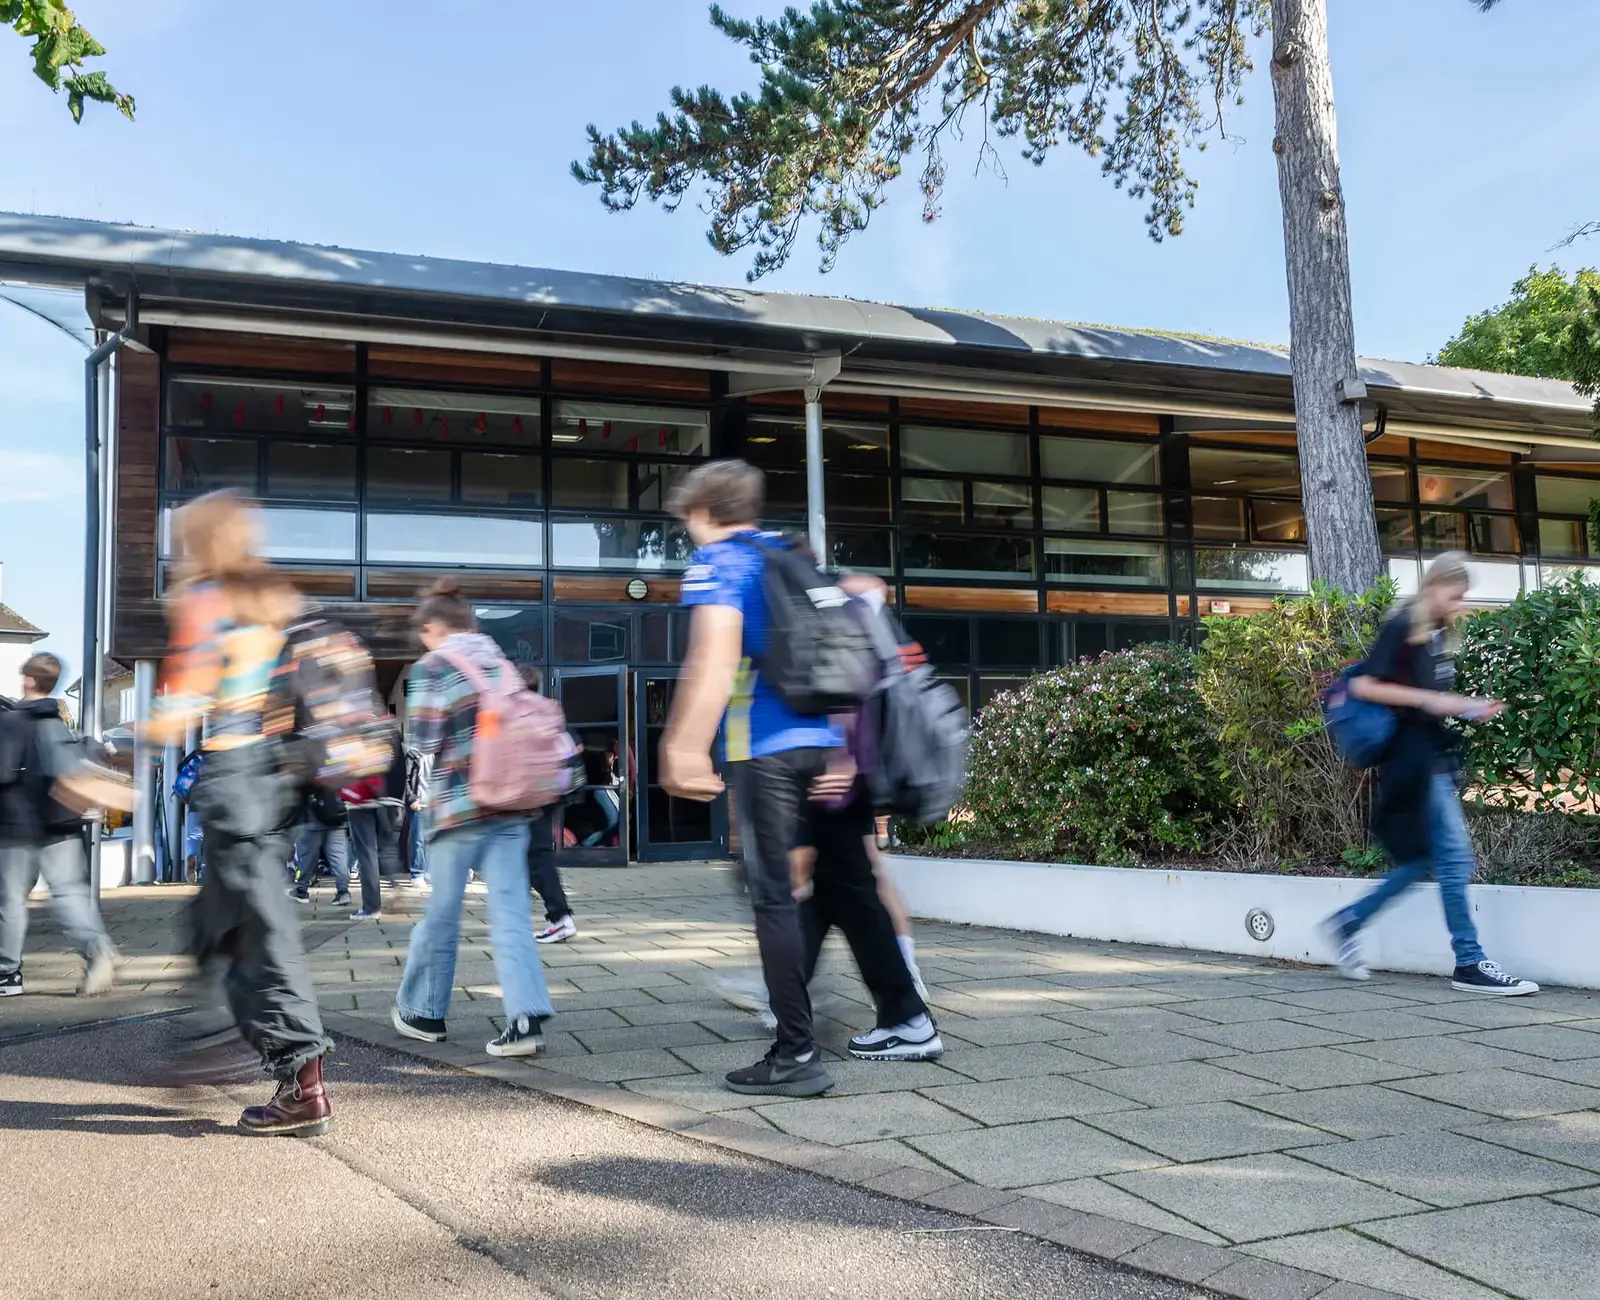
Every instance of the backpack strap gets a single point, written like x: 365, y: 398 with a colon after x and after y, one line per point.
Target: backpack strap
x: 476, y: 676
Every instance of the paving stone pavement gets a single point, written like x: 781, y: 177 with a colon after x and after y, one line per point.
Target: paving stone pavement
x: 1263, y: 1130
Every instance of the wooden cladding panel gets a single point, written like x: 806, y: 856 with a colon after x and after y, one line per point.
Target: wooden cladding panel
x: 1184, y: 607
x: 447, y: 366
x: 1066, y: 417
x: 230, y: 351
x: 662, y: 590
x: 1148, y: 604
x: 1391, y: 444
x: 833, y: 404
x: 983, y: 600
x: 1284, y: 438
x: 138, y: 626
x: 670, y: 382
x: 408, y: 584
x: 1466, y: 455
x: 1238, y: 606
x: 936, y: 409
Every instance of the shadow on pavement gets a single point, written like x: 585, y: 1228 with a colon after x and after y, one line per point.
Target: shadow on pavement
x: 108, y: 1118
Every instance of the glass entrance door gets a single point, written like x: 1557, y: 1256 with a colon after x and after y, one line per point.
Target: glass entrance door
x: 669, y: 829
x: 591, y: 828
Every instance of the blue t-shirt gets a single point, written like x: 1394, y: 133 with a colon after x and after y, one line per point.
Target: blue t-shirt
x: 729, y: 573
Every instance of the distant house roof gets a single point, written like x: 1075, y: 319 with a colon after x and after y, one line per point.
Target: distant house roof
x: 13, y: 627
x: 111, y: 670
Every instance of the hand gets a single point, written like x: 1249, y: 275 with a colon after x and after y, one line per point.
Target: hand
x: 836, y: 781
x: 1477, y: 709
x: 689, y: 775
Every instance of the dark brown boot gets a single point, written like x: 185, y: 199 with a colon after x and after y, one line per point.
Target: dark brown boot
x: 298, y: 1109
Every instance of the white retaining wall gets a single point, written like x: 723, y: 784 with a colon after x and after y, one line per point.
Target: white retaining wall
x: 1549, y: 935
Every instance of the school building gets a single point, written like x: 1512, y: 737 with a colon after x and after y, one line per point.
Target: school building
x: 1032, y: 491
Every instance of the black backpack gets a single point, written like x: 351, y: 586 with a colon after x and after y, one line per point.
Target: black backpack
x: 52, y: 752
x: 819, y: 659
x: 919, y: 729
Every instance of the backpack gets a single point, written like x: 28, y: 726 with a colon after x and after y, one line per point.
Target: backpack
x: 918, y: 729
x: 52, y: 752
x: 1361, y: 731
x: 188, y: 774
x: 819, y: 658
x: 321, y: 701
x: 522, y: 755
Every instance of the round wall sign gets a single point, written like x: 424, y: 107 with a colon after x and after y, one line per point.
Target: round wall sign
x: 637, y: 589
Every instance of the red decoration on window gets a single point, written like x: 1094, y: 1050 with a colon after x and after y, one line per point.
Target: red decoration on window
x: 416, y: 417
x: 238, y: 416
x: 444, y: 426
x: 388, y: 415
x: 352, y: 420
x: 605, y: 429
x: 322, y: 412
x: 483, y: 422
x: 663, y: 437
x: 633, y: 443
x: 277, y: 404
x: 205, y: 403
x: 583, y: 428
x: 516, y: 425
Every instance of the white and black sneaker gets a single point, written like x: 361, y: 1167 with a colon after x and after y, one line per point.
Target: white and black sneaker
x: 11, y: 985
x: 558, y: 931
x: 425, y: 1029
x: 916, y: 1040
x: 1346, y: 945
x: 1488, y: 978
x: 523, y: 1036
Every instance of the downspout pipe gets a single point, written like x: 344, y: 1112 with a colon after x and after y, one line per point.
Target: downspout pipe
x: 824, y: 370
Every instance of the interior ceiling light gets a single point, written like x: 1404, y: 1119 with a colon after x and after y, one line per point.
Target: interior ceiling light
x: 761, y: 438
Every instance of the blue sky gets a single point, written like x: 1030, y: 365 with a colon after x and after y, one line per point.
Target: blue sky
x: 446, y: 127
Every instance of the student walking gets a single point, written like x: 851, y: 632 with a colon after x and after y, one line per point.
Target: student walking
x: 324, y: 835
x: 1417, y: 815
x: 462, y: 676
x: 42, y: 837
x: 543, y: 874
x: 721, y: 503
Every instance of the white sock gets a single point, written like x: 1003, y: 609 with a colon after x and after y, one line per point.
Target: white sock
x: 908, y: 949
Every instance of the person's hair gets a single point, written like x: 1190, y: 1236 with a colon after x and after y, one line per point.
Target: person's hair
x: 532, y: 677
x: 217, y: 539
x: 442, y: 604
x: 43, y: 670
x: 1447, y: 570
x: 730, y: 491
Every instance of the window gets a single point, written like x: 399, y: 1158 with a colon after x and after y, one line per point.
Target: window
x: 1218, y: 519
x: 500, y: 479
x: 409, y: 474
x: 1566, y: 496
x: 633, y: 430
x: 933, y: 500
x: 868, y: 549
x: 1484, y: 489
x: 1561, y: 539
x: 1134, y: 512
x: 1442, y: 532
x: 1495, y: 534
x: 308, y: 534
x: 1390, y: 482
x: 1090, y: 461
x: 945, y: 555
x: 956, y: 501
x: 663, y: 636
x: 613, y: 484
x: 943, y: 640
x: 1075, y: 510
x: 1117, y: 564
x: 209, y: 464
x: 963, y: 451
x: 1251, y: 570
x: 251, y: 406
x: 396, y: 538
x: 1008, y: 643
x: 1002, y: 505
x: 1397, y: 530
x: 311, y: 471
x: 585, y: 638
x: 1493, y: 583
x: 856, y: 498
x: 1266, y: 472
x: 414, y: 415
x: 1278, y: 521
x: 775, y: 443
x: 612, y: 543
x: 517, y: 629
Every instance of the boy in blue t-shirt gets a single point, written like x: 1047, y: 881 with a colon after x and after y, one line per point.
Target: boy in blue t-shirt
x: 721, y: 502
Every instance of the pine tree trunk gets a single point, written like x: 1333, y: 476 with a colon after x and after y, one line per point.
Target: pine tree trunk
x: 1340, y: 526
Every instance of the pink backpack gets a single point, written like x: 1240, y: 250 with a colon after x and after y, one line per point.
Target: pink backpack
x: 522, y: 754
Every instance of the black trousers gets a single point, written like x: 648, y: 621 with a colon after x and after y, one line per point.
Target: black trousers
x: 773, y: 811
x: 242, y: 919
x: 546, y: 879
x: 375, y: 842
x: 844, y: 893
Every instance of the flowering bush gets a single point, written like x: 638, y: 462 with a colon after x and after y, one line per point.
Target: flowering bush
x: 1106, y: 760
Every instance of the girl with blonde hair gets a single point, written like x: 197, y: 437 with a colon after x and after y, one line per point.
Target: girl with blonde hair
x: 1417, y: 814
x: 229, y: 612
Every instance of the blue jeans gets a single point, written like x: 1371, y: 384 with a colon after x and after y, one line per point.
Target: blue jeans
x: 65, y: 870
x: 497, y: 848
x: 1451, y: 863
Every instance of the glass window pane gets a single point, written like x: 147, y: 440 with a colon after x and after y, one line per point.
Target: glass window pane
x: 454, y: 539
x: 407, y: 474
x: 1442, y: 532
x: 1390, y: 482
x: 1561, y: 538
x: 414, y: 415
x: 786, y: 495
x: 589, y: 484
x: 1566, y: 496
x: 250, y: 406
x: 963, y: 451
x: 1270, y: 472
x: 943, y: 555
x: 639, y: 430
x: 1397, y: 530
x: 1127, y: 635
x: 1002, y: 505
x: 308, y: 534
x: 517, y: 629
x: 1495, y: 535
x: 1488, y: 489
x: 868, y: 550
x: 943, y: 640
x: 500, y: 479
x: 313, y: 471
x: 663, y: 636
x: 989, y: 687
x: 1090, y: 639
x: 1115, y: 564
x: 1008, y: 643
x: 1252, y: 570
x: 1278, y: 521
x: 584, y: 638
x: 1407, y: 576
x: 1492, y: 583
x: 1218, y: 519
x: 782, y: 443
x: 1550, y: 574
x: 619, y: 544
x: 937, y: 500
x: 1098, y: 462
x: 856, y: 497
x: 209, y: 464
x: 1134, y: 512
x: 1072, y: 509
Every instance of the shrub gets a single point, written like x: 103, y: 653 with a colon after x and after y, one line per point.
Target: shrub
x: 1541, y: 655
x: 1260, y: 677
x: 1102, y: 761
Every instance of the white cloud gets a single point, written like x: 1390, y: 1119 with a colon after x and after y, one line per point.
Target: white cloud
x: 38, y: 476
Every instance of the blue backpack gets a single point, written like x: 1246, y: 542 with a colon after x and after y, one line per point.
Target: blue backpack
x: 1361, y: 731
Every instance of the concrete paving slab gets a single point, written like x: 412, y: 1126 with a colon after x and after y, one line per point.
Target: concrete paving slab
x: 634, y: 1037
x: 1534, y: 1249
x: 1208, y: 1131
x: 615, y: 1067
x: 1095, y: 1196
x: 1572, y: 1139
x: 1025, y: 1155
x: 1250, y: 1198
x: 1344, y: 1254
x: 1006, y: 1031
x: 1020, y: 1061
x: 1446, y: 1169
x: 1181, y: 1257
x: 1588, y: 1199
x: 1126, y: 1020
x: 1270, y: 1036
x: 1260, y: 1279
x: 842, y: 1121
x: 1252, y: 1004
x: 1016, y: 1101
x: 1451, y: 1055
x: 1316, y: 1067
x: 1340, y: 1001
x: 1152, y: 1047
x: 1476, y: 1012
x: 1584, y: 1072
x: 1361, y: 1111
x: 1380, y: 1024
x: 1506, y: 1093
x: 857, y: 1078
x: 1552, y: 1042
x: 1194, y: 1081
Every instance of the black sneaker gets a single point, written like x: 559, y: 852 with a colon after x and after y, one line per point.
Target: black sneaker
x: 916, y: 1040
x: 425, y: 1029
x: 1488, y: 978
x: 523, y: 1036
x: 778, y: 1076
x: 341, y: 900
x: 300, y: 896
x: 11, y: 985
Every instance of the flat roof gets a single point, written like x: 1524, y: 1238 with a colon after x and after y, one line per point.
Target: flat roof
x: 271, y: 274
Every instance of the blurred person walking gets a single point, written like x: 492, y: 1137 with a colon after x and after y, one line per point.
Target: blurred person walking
x: 40, y: 836
x: 323, y: 836
x: 543, y: 874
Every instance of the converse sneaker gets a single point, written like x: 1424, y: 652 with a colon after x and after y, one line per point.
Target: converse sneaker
x: 1345, y: 941
x: 361, y: 914
x: 778, y: 1076
x: 522, y: 1037
x: 558, y: 931
x: 11, y: 985
x: 100, y: 974
x: 302, y: 896
x: 342, y: 899
x: 1488, y: 978
x: 916, y: 1040
x: 425, y: 1029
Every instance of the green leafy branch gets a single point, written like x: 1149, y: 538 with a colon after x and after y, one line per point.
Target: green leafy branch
x: 61, y: 44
